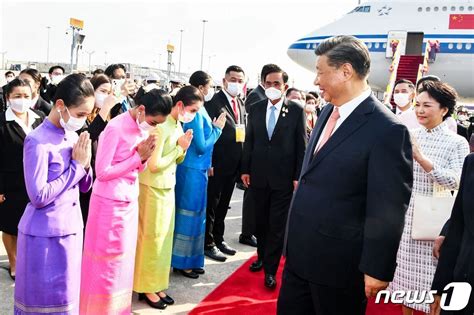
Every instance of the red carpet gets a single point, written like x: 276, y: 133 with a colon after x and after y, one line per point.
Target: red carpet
x: 243, y: 293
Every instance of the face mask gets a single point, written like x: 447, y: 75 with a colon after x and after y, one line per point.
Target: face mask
x: 401, y: 99
x: 20, y: 105
x: 301, y: 102
x: 234, y: 88
x: 100, y: 99
x: 143, y: 126
x: 55, y: 79
x: 273, y: 93
x: 462, y: 117
x: 10, y: 79
x: 209, y: 95
x: 310, y: 108
x: 187, y: 117
x: 73, y: 124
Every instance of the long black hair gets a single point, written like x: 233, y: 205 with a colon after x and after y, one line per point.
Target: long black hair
x: 156, y: 102
x: 73, y: 89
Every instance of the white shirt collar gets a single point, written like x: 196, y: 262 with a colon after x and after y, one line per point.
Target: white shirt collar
x: 347, y: 108
x: 32, y: 116
x: 277, y: 105
x: 229, y: 97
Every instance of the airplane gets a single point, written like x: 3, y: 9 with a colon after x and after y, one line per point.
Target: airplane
x: 413, y: 24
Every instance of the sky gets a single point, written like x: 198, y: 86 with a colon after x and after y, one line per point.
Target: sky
x: 248, y: 33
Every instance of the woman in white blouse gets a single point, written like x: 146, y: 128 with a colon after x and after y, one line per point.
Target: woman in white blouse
x: 439, y: 154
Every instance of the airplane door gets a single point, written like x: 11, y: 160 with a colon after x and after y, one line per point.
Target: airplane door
x: 414, y: 44
x: 394, y: 36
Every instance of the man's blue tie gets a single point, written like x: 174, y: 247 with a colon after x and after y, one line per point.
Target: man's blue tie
x: 271, y: 122
x: 125, y: 105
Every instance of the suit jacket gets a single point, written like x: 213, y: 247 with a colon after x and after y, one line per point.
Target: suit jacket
x: 43, y: 106
x: 456, y: 259
x: 117, y: 109
x: 348, y: 212
x: 227, y: 152
x: 276, y: 162
x: 12, y: 138
x: 258, y: 94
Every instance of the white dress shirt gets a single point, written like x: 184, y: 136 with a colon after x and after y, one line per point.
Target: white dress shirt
x: 408, y: 118
x: 10, y: 116
x: 345, y: 110
x: 230, y: 98
x: 277, y: 110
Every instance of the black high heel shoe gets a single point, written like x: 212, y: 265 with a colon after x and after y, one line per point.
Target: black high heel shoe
x: 199, y: 271
x: 12, y: 275
x: 167, y: 299
x: 158, y: 305
x: 190, y: 274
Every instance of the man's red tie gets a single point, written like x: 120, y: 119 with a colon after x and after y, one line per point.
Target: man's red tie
x: 236, y: 111
x: 330, y: 125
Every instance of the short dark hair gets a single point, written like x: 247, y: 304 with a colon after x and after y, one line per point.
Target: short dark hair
x: 442, y: 92
x: 276, y: 69
x: 54, y: 68
x: 8, y: 73
x: 156, y: 102
x: 199, y: 78
x: 429, y: 77
x: 98, y: 80
x: 235, y: 69
x: 111, y: 69
x: 73, y: 90
x: 290, y: 90
x: 346, y: 49
x: 310, y: 97
x: 405, y: 81
x: 98, y: 71
x: 315, y: 94
x: 15, y: 83
x: 188, y: 95
x: 265, y: 69
x: 32, y: 73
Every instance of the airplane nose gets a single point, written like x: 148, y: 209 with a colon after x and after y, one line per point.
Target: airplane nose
x: 293, y: 53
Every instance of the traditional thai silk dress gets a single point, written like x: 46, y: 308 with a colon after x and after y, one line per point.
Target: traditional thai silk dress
x: 416, y: 265
x: 191, y: 194
x: 156, y: 217
x: 111, y: 231
x: 50, y: 231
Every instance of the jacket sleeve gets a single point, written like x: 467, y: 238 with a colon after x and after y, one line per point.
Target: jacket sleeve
x: 2, y: 156
x: 301, y: 142
x: 202, y: 144
x: 389, y: 184
x: 41, y: 191
x: 108, y: 143
x: 452, y: 243
x: 158, y: 160
x: 96, y: 127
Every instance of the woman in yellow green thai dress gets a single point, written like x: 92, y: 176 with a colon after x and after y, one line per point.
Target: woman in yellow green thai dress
x: 157, y: 210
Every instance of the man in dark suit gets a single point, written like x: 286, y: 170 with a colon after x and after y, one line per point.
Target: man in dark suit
x: 225, y: 162
x: 117, y: 73
x: 273, y: 153
x: 455, y: 262
x: 56, y: 74
x: 347, y: 214
x: 247, y: 236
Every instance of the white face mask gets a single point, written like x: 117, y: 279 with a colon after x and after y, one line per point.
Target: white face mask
x: 100, y: 99
x: 311, y: 108
x: 209, y: 95
x: 234, y: 88
x: 187, y: 117
x: 401, y: 99
x: 273, y: 93
x: 55, y: 79
x: 143, y: 126
x: 73, y: 123
x: 20, y: 105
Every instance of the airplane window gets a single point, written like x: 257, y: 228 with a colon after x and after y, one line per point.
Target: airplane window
x: 468, y: 46
x: 469, y: 8
x: 367, y: 9
x: 384, y: 45
x: 369, y: 45
x: 459, y: 46
x: 420, y: 9
x: 461, y: 8
x: 377, y: 45
x: 436, y: 9
x: 445, y: 8
x: 453, y: 8
x: 450, y: 46
x: 308, y: 46
x: 428, y: 9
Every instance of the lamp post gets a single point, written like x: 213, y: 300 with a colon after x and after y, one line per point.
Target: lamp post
x: 209, y: 63
x: 105, y: 58
x: 159, y: 61
x: 180, y: 49
x: 202, y: 46
x: 3, y: 59
x: 47, y: 48
x: 90, y: 53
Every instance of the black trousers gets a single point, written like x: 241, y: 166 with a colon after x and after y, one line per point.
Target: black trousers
x: 248, y: 216
x: 219, y: 193
x: 271, y: 211
x: 299, y: 296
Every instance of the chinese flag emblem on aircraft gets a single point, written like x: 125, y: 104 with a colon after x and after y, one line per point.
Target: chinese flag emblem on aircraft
x: 461, y: 21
